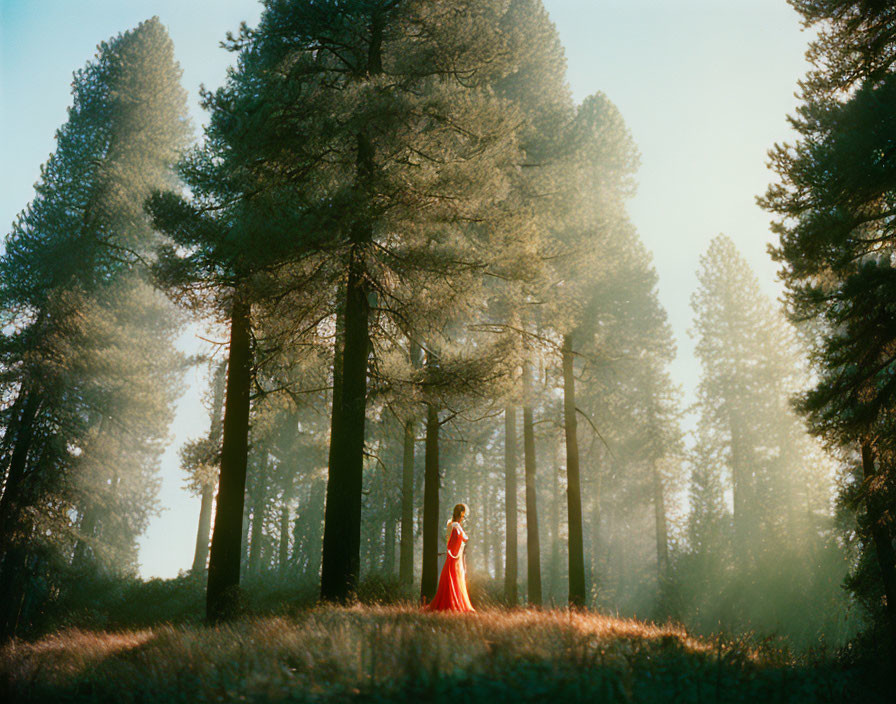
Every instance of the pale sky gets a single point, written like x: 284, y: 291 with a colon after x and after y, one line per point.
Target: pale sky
x: 703, y: 85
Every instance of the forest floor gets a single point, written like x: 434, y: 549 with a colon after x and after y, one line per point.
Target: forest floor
x: 398, y: 654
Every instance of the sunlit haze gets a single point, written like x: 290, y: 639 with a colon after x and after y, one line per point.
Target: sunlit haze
x: 704, y: 87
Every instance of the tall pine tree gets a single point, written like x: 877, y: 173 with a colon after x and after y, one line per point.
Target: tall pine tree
x: 71, y: 266
x: 833, y: 208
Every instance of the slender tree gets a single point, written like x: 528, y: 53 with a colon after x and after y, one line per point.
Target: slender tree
x: 406, y: 547
x: 510, y: 507
x: 600, y: 158
x: 430, y: 577
x: 533, y: 543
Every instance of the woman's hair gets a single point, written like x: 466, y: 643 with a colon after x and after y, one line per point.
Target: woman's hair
x: 458, y: 509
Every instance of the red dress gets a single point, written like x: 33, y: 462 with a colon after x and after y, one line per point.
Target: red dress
x: 452, y: 592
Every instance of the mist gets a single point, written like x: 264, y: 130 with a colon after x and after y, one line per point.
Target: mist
x: 415, y: 255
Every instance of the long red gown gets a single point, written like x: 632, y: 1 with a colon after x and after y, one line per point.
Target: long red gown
x: 452, y: 592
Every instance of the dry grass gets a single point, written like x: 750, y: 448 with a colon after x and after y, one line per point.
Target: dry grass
x: 398, y: 653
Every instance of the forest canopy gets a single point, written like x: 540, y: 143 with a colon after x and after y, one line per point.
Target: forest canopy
x: 417, y: 249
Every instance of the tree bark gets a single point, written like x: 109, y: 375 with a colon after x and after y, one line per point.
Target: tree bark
x: 577, y: 591
x: 341, y: 559
x: 226, y: 547
x: 342, y: 518
x: 883, y: 546
x: 533, y: 544
x: 430, y: 578
x: 336, y: 411
x: 511, y: 559
x: 406, y: 557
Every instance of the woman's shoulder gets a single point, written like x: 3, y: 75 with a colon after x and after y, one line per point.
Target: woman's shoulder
x: 458, y: 527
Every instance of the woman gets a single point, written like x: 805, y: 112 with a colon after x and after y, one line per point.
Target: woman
x: 452, y: 592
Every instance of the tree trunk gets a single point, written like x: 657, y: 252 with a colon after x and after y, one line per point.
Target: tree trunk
x: 533, y: 544
x: 283, y: 547
x: 555, y: 524
x: 662, y: 538
x: 10, y: 435
x: 495, y: 537
x: 737, y: 493
x: 577, y: 592
x: 389, y: 540
x: 226, y: 547
x: 17, y: 464
x: 486, y: 524
x: 15, y: 529
x: 341, y: 560
x: 301, y: 540
x: 883, y: 546
x: 200, y: 555
x: 312, y: 543
x: 257, y: 535
x: 244, y: 540
x: 511, y: 595
x: 430, y: 578
x: 12, y: 589
x: 659, y: 501
x: 406, y: 557
x: 336, y: 411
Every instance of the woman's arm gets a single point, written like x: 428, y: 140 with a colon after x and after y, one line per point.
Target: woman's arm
x: 454, y: 527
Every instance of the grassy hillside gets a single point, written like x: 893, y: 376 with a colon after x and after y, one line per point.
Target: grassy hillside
x: 393, y: 654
